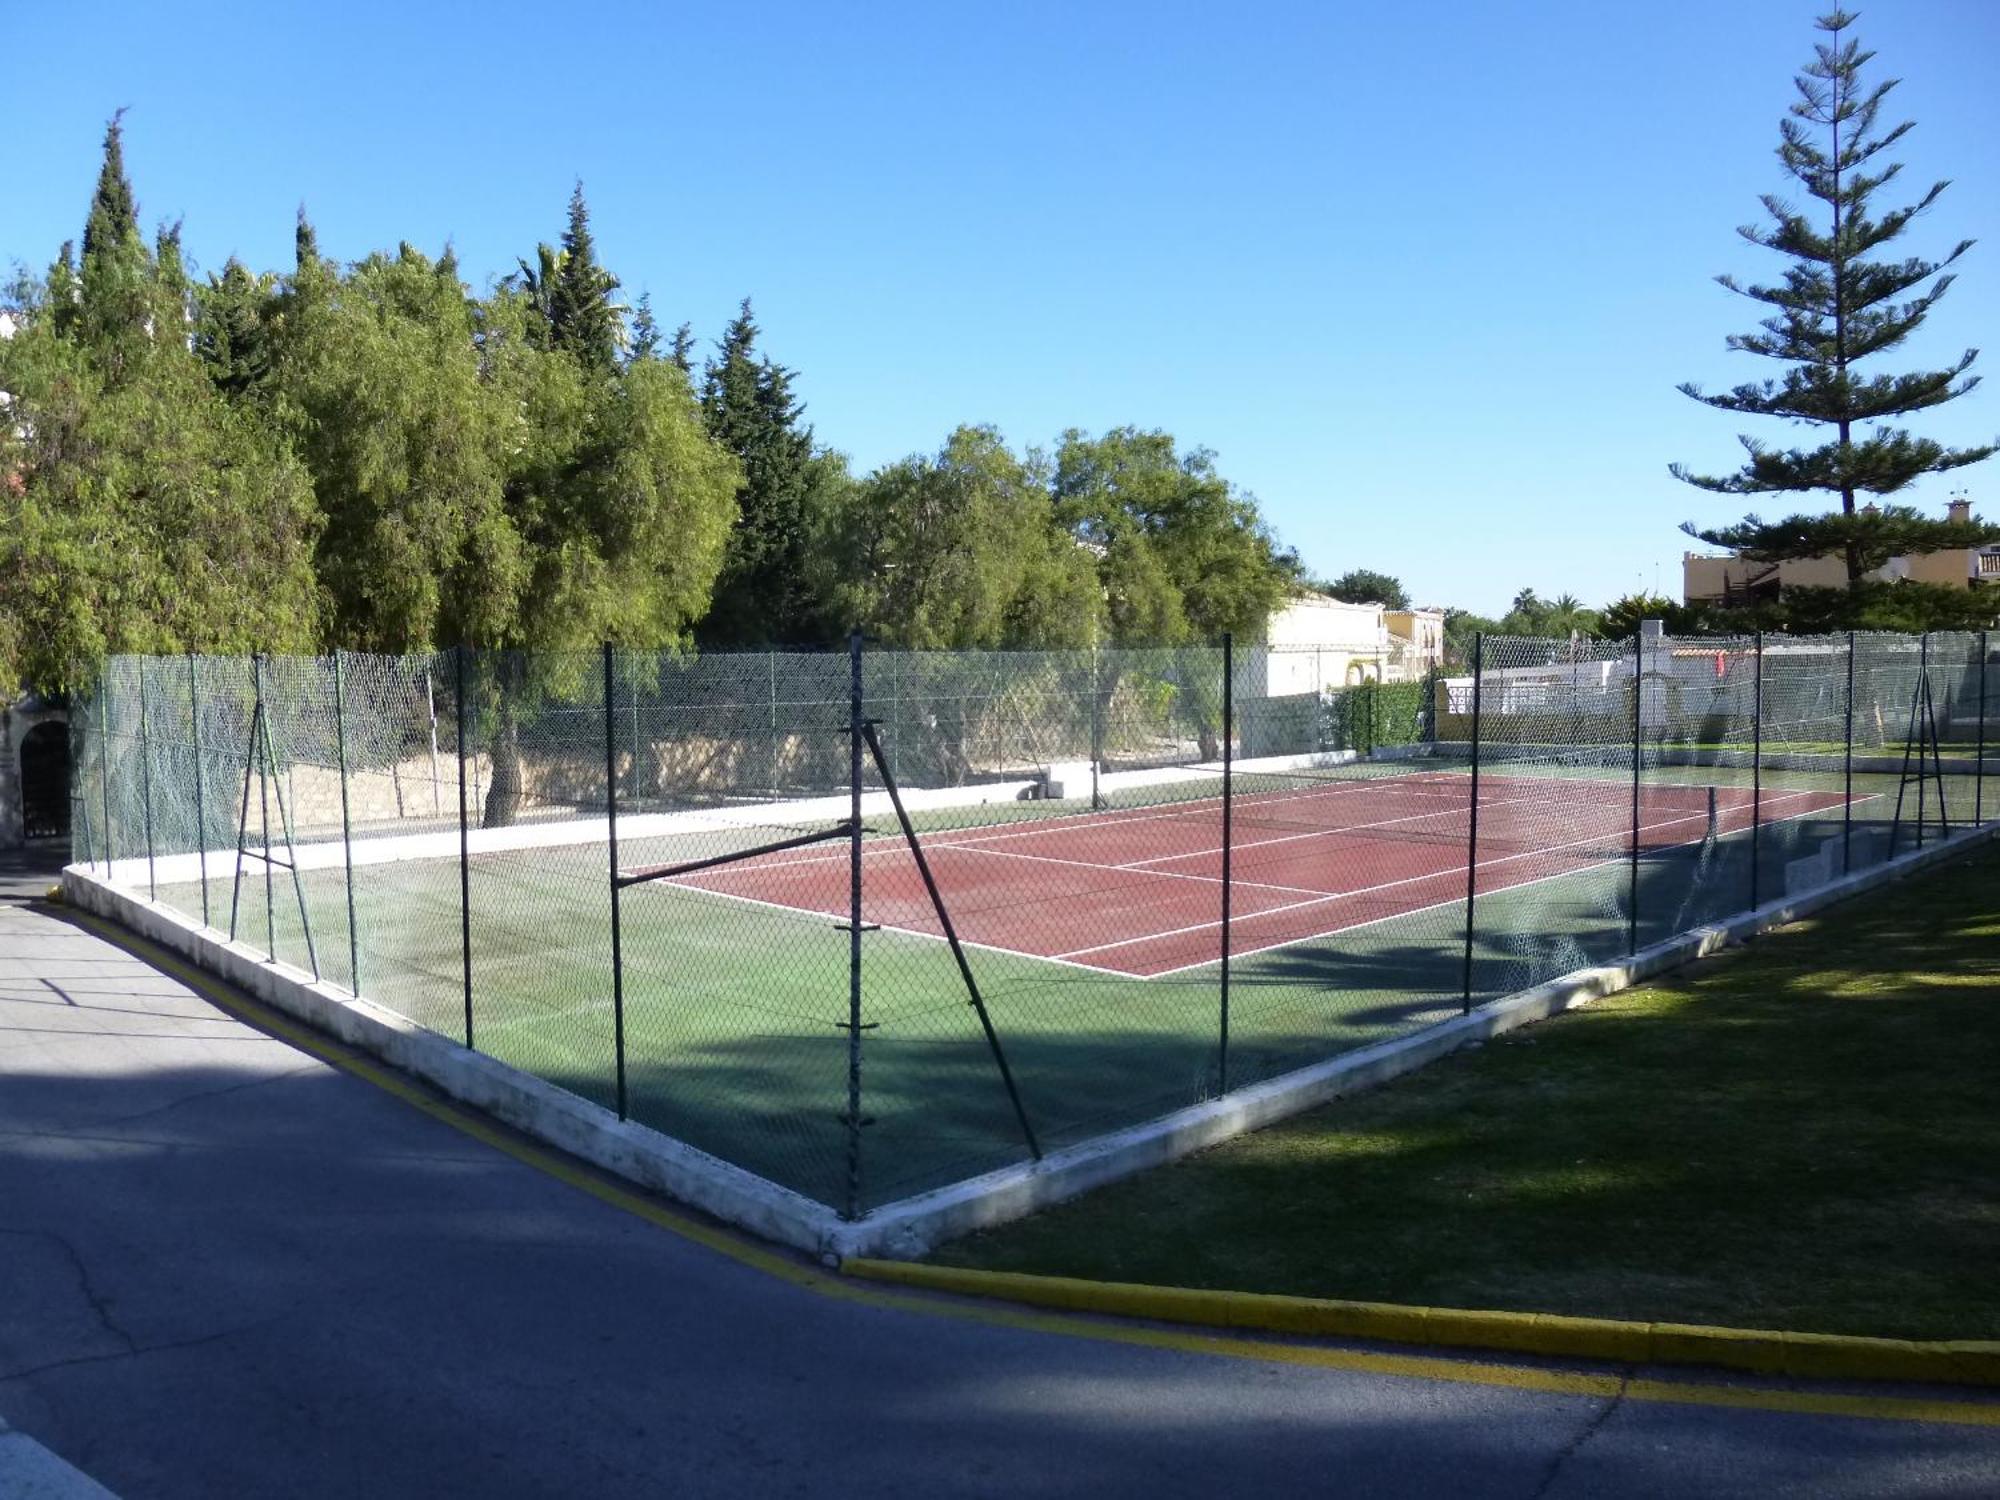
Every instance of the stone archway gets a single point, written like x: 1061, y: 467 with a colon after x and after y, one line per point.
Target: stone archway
x: 45, y: 780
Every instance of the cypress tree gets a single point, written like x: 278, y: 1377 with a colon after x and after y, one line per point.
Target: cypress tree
x: 581, y: 317
x: 764, y: 594
x: 1834, y: 309
x: 113, y: 220
x: 645, y: 331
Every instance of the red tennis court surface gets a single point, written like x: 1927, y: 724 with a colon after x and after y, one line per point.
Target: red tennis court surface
x: 1139, y: 892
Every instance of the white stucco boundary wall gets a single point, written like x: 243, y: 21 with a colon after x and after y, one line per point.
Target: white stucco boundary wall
x: 911, y: 1226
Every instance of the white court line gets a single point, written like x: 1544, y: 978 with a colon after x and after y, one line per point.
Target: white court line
x: 1519, y: 885
x: 1367, y: 890
x: 1238, y: 845
x: 916, y: 932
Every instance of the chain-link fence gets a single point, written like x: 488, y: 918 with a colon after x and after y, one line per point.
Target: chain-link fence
x: 867, y: 923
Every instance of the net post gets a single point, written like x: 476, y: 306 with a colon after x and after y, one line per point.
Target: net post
x: 1979, y: 751
x: 1472, y: 820
x: 200, y: 809
x: 1847, y: 769
x: 854, y: 742
x: 464, y: 851
x: 346, y: 820
x: 1756, y: 768
x: 146, y: 783
x: 1228, y: 840
x: 1638, y: 740
x: 611, y: 832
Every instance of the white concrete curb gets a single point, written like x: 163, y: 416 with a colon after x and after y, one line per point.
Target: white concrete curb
x: 911, y: 1226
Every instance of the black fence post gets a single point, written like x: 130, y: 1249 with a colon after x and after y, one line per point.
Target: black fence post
x: 464, y: 852
x: 1228, y: 831
x: 1756, y: 769
x: 1847, y: 770
x: 1919, y: 705
x: 346, y: 822
x: 617, y: 934
x: 855, y: 923
x: 1472, y: 822
x: 200, y: 811
x: 1638, y: 741
x: 1979, y: 752
x: 146, y: 783
x: 104, y: 757
x: 267, y: 772
x: 1096, y: 732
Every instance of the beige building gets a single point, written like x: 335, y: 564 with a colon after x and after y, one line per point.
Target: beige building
x: 1727, y: 579
x: 1314, y: 642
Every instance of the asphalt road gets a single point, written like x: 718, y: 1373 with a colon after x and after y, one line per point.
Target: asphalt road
x: 227, y: 1268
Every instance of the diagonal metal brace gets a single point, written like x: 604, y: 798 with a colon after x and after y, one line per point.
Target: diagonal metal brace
x: 978, y: 1002
x: 845, y: 829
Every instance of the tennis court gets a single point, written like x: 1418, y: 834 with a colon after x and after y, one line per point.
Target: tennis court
x: 1135, y: 946
x: 1143, y: 885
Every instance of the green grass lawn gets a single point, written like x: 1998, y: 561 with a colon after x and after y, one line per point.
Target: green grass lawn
x: 1801, y: 1134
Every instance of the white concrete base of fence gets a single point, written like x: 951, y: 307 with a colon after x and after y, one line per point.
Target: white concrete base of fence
x: 910, y: 1227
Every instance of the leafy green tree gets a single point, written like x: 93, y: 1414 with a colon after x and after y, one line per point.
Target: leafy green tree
x: 766, y: 592
x: 408, y: 446
x: 645, y: 340
x: 1834, y: 309
x: 1621, y: 618
x: 151, y: 516
x: 232, y: 332
x: 1366, y: 586
x: 960, y: 550
x: 1182, y: 553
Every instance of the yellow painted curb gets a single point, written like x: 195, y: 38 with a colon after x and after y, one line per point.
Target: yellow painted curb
x: 1817, y: 1356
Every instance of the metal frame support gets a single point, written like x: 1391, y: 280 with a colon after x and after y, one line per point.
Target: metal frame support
x: 1472, y: 820
x: 977, y: 1001
x: 1638, y: 740
x: 346, y: 824
x: 1757, y: 772
x: 1979, y: 752
x: 617, y: 933
x: 146, y: 783
x: 1847, y: 770
x: 1228, y: 841
x: 200, y: 806
x: 856, y: 725
x: 464, y: 853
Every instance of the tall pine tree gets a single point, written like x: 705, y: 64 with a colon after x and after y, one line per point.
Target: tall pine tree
x: 1834, y: 309
x: 582, y: 318
x: 766, y: 593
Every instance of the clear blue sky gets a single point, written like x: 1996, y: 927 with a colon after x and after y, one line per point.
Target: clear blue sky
x: 1424, y: 275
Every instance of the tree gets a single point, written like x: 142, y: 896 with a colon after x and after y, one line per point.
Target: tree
x: 232, y: 333
x: 1183, y: 553
x: 582, y: 318
x: 645, y: 341
x: 1621, y: 618
x: 1366, y: 586
x: 765, y: 593
x: 960, y: 550
x: 1834, y: 309
x: 151, y: 515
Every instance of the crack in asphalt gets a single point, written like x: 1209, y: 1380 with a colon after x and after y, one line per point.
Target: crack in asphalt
x: 99, y: 1303
x: 135, y: 1352
x: 1584, y: 1434
x: 215, y: 1093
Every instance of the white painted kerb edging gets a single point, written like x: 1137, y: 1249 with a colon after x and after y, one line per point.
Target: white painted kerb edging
x: 622, y: 1147
x: 911, y: 1226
